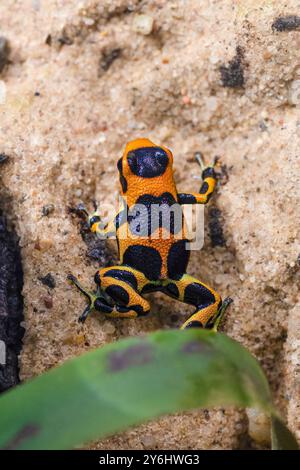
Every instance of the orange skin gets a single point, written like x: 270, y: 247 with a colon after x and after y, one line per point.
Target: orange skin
x: 137, y: 186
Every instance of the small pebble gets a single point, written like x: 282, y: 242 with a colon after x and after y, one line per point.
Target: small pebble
x: 48, y: 209
x: 2, y: 92
x: 143, y: 24
x: 74, y: 339
x: 148, y: 441
x: 88, y: 21
x: 212, y: 103
x: 36, y: 5
x: 68, y: 339
x: 294, y: 93
x: 101, y: 138
x: 186, y: 100
x: 262, y: 125
x: 259, y: 426
x: 108, y: 328
x: 267, y: 55
x: 79, y: 339
x: 48, y: 301
x: 43, y: 245
x: 214, y: 59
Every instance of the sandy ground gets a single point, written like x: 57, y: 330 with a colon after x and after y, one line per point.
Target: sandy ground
x: 209, y: 76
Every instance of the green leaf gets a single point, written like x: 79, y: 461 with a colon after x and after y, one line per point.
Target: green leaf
x: 282, y: 438
x: 128, y: 382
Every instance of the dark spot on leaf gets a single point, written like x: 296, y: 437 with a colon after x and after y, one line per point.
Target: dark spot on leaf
x: 286, y: 23
x: 28, y: 431
x: 232, y: 75
x: 136, y: 355
x: 215, y: 227
x: 196, y: 347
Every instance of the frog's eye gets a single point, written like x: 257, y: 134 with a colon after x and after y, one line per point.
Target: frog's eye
x: 148, y: 162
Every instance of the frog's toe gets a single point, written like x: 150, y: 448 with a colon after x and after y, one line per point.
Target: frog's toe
x: 194, y: 324
x: 221, y: 312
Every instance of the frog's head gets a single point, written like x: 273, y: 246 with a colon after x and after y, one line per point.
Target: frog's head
x: 143, y: 159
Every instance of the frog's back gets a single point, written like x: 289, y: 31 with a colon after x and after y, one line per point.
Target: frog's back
x: 152, y: 237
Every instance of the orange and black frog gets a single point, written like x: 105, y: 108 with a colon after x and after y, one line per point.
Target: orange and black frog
x: 150, y: 231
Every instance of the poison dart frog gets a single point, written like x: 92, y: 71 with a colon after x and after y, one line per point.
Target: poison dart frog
x: 153, y: 256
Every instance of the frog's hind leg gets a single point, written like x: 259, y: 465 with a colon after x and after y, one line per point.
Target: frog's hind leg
x: 97, y: 301
x: 209, y: 307
x: 123, y: 286
x: 117, y: 295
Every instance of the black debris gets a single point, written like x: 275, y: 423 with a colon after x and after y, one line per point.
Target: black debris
x: 48, y: 281
x: 48, y: 40
x: 11, y: 307
x: 97, y: 249
x: 215, y: 227
x: 286, y: 23
x: 232, y: 75
x: 108, y: 57
x: 48, y: 209
x: 65, y: 41
x: 4, y: 52
x: 263, y: 125
x: 223, y: 174
x: 3, y: 157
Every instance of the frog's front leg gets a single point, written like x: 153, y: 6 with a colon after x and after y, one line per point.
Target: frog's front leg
x: 118, y: 293
x: 207, y: 188
x: 95, y: 223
